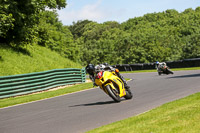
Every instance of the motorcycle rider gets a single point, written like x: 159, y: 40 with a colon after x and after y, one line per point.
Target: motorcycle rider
x: 93, y: 70
x: 90, y: 69
x: 160, y: 65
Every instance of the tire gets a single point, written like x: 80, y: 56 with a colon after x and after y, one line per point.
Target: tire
x: 129, y: 94
x: 159, y: 73
x: 113, y: 94
x: 169, y: 71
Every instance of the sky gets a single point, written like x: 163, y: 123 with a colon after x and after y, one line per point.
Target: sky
x: 118, y: 10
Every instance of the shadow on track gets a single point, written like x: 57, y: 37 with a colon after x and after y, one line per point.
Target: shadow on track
x: 97, y: 103
x: 186, y: 76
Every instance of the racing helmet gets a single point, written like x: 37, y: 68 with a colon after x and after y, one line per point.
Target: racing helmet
x: 99, y: 68
x: 90, y: 69
x: 157, y: 62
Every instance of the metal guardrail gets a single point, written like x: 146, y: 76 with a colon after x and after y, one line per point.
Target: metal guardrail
x: 33, y: 82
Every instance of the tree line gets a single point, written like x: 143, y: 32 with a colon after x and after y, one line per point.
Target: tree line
x: 163, y: 36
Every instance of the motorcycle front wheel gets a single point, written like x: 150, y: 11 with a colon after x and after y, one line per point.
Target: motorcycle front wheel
x: 129, y: 94
x: 169, y: 71
x: 113, y: 93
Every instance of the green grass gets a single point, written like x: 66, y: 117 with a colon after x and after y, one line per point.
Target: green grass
x: 34, y: 59
x: 180, y: 116
x: 43, y: 95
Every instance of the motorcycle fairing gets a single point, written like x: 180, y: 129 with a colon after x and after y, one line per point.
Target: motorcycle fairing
x: 108, y: 78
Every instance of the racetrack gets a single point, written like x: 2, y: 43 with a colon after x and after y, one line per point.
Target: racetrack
x: 86, y: 110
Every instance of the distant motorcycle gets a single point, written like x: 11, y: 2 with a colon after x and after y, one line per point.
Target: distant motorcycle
x: 164, y: 70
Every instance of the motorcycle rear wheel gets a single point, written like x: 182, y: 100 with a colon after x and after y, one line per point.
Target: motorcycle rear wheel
x: 113, y: 94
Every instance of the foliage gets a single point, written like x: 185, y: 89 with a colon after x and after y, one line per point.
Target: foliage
x: 54, y: 35
x: 77, y: 28
x: 162, y: 36
x: 19, y: 19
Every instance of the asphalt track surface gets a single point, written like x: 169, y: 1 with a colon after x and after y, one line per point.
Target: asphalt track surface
x: 86, y: 110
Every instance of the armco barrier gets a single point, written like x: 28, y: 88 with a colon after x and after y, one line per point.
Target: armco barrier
x: 195, y: 62
x: 33, y: 82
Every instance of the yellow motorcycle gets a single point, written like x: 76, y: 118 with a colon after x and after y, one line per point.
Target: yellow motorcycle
x: 112, y: 85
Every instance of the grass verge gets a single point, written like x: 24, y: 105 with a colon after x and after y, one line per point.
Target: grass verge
x: 36, y: 59
x: 180, y: 116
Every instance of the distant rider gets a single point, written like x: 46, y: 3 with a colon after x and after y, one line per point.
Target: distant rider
x: 160, y: 65
x: 93, y: 70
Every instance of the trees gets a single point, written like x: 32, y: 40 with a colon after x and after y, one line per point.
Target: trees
x: 77, y: 28
x: 163, y: 36
x: 54, y: 35
x: 20, y: 18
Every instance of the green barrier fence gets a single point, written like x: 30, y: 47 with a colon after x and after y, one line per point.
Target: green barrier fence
x: 33, y: 82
